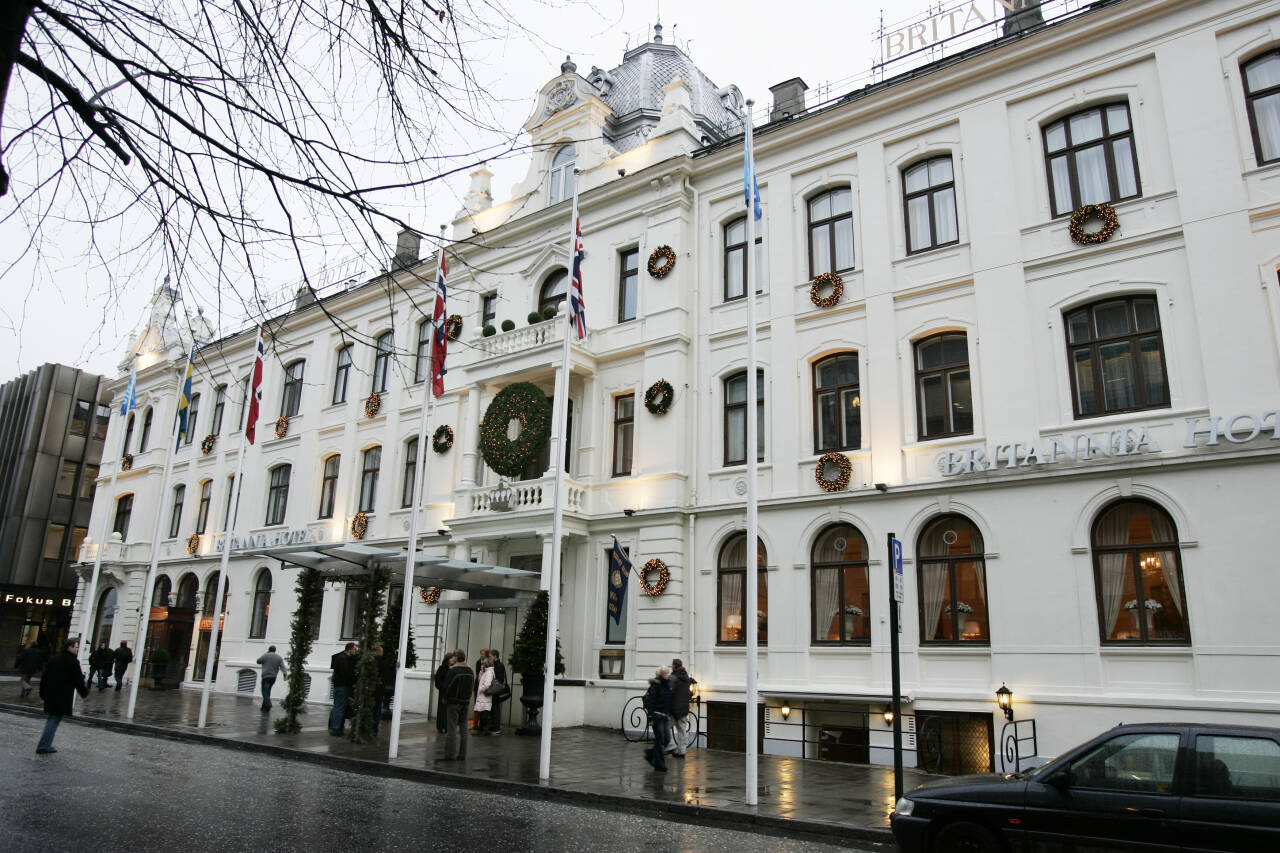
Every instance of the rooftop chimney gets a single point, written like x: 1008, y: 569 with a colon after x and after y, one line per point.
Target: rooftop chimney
x: 1021, y: 17
x: 407, y: 245
x: 788, y: 99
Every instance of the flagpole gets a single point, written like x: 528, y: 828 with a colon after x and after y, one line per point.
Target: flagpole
x: 215, y: 620
x: 557, y: 515
x: 752, y: 560
x: 148, y: 591
x: 411, y: 546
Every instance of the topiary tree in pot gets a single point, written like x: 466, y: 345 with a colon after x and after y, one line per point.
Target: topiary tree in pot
x: 508, y: 325
x: 529, y: 657
x: 534, y: 317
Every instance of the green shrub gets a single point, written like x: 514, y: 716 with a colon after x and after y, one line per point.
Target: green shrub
x: 489, y: 331
x: 548, y: 312
x: 534, y: 317
x: 508, y: 325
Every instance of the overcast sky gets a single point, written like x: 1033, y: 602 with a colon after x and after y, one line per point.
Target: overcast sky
x: 752, y: 44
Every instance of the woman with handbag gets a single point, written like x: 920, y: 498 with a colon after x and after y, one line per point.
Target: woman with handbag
x: 484, y: 702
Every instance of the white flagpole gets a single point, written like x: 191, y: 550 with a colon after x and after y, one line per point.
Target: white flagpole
x: 211, y: 653
x: 751, y: 602
x: 411, y: 546
x: 144, y: 617
x: 557, y: 515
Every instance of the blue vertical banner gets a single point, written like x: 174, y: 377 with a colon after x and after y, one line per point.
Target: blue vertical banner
x: 619, y: 572
x: 897, y: 569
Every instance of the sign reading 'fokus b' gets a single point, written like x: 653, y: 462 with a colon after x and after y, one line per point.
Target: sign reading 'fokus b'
x: 1087, y: 446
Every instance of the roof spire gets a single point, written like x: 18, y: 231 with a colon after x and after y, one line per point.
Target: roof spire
x: 657, y: 33
x: 568, y: 66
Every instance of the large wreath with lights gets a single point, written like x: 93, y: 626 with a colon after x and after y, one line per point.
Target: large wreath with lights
x: 821, y: 283
x: 193, y: 543
x: 126, y: 462
x: 659, y: 397
x: 453, y: 327
x: 282, y: 426
x: 523, y: 402
x: 1104, y: 212
x: 662, y: 261
x: 655, y: 589
x: 430, y: 595
x: 371, y: 404
x: 206, y: 444
x: 840, y: 482
x: 359, y: 525
x: 443, y: 438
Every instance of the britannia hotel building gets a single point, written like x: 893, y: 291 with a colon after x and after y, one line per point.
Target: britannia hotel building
x: 1076, y: 439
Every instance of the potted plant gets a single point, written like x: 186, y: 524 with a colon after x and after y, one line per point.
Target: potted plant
x: 489, y: 330
x: 534, y: 318
x: 159, y: 664
x: 508, y: 325
x: 528, y: 658
x: 548, y: 312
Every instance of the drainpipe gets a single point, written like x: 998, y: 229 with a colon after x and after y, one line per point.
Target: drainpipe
x: 691, y: 539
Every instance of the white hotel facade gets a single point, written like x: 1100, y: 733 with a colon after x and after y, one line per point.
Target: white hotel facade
x: 1074, y: 442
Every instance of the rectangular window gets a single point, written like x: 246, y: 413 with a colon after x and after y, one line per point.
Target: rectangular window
x: 244, y: 403
x: 944, y: 400
x: 80, y: 417
x: 89, y: 483
x: 341, y: 374
x: 124, y: 510
x: 1262, y: 92
x: 53, y: 541
x: 382, y: 363
x: 231, y: 491
x: 219, y: 405
x: 202, y: 514
x: 193, y: 415
x: 628, y: 283
x: 101, y: 419
x: 624, y: 408
x: 77, y: 539
x: 1117, y: 357
x: 615, y: 631
x: 352, y: 608
x: 488, y: 309
x: 831, y: 231
x: 735, y: 419
x: 929, y: 200
x: 291, y: 400
x: 329, y: 486
x: 735, y: 260
x: 1090, y: 158
x: 67, y: 478
x: 369, y: 478
x: 410, y: 472
x: 422, y: 364
x: 175, y: 518
x: 278, y: 494
x: 837, y: 404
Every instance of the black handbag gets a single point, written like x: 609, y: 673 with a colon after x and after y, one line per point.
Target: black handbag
x: 497, y: 688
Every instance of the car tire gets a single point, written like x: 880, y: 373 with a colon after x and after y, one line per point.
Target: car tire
x: 966, y: 838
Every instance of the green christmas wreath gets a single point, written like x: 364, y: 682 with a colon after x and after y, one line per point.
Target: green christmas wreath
x: 523, y: 402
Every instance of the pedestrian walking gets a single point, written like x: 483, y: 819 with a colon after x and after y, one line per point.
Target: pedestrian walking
x: 499, y: 677
x: 681, y: 695
x: 385, y: 689
x: 459, y: 687
x: 62, y: 677
x: 30, y: 663
x: 122, y: 658
x: 442, y: 672
x: 100, y: 664
x: 343, y: 665
x: 272, y: 668
x: 657, y: 704
x: 484, y: 702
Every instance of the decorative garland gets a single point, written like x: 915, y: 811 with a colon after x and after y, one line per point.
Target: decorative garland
x: 443, y: 438
x: 430, y: 595
x: 667, y: 256
x: 656, y: 589
x: 310, y: 593
x: 846, y: 470
x: 126, y: 462
x: 827, y: 279
x: 282, y: 426
x: 526, y: 403
x: 359, y: 525
x: 206, y: 444
x: 193, y: 543
x: 1105, y: 212
x: 371, y: 404
x: 659, y: 397
x: 453, y: 327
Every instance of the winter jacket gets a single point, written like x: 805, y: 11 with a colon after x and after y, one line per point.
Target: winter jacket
x: 31, y: 661
x: 62, y: 676
x: 123, y: 657
x: 483, y: 702
x: 344, y: 669
x: 272, y: 665
x: 459, y: 685
x: 681, y: 692
x: 658, y: 698
x: 100, y: 659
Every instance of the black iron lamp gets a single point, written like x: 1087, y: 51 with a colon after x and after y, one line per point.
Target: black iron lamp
x: 888, y: 716
x: 1004, y: 698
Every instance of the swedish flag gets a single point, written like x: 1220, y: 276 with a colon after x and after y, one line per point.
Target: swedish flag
x: 184, y: 399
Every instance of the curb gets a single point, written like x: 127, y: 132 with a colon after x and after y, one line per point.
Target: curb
x: 830, y: 833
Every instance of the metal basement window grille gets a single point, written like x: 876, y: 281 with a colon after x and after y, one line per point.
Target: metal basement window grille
x: 246, y: 681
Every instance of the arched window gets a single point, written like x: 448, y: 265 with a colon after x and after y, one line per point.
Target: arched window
x: 562, y: 174
x: 369, y: 478
x: 735, y: 418
x: 128, y: 434
x: 124, y: 510
x: 410, y: 471
x: 831, y: 231
x: 944, y: 399
x: 278, y: 494
x: 952, y: 582
x: 837, y: 404
x: 211, y: 595
x: 291, y: 401
x: 1117, y: 357
x: 340, y: 375
x: 104, y: 618
x: 261, y: 606
x: 1138, y: 576
x: 1090, y: 158
x: 329, y: 485
x: 202, y: 514
x: 1262, y: 92
x: 188, y: 591
x: 382, y: 361
x: 552, y: 293
x: 146, y: 430
x: 731, y: 588
x: 160, y: 594
x: 175, y: 518
x: 929, y: 204
x: 841, y: 595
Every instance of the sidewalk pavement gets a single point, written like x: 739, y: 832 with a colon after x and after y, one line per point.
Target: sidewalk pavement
x: 830, y: 801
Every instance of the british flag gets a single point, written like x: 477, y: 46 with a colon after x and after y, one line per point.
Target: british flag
x: 577, y: 307
x: 439, y: 336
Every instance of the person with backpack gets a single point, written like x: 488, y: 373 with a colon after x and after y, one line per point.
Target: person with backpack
x: 681, y: 694
x: 459, y: 688
x: 657, y: 704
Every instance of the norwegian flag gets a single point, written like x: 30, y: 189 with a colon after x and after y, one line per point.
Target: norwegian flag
x: 255, y: 392
x: 439, y: 337
x: 577, y: 307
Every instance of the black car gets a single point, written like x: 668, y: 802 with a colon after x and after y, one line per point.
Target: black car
x: 1150, y: 788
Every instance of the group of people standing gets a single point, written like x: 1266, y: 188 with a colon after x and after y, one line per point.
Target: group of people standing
x: 667, y: 704
x: 461, y: 692
x: 104, y: 659
x: 343, y: 665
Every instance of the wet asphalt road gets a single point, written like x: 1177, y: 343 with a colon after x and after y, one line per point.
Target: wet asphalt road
x: 108, y: 791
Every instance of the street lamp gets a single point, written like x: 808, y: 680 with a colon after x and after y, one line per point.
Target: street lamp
x: 888, y: 716
x: 1004, y: 698
x: 786, y: 712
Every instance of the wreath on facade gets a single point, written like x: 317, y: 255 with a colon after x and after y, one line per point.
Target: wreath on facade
x: 282, y: 426
x: 662, y: 261
x: 206, y: 444
x: 359, y: 525
x: 453, y: 327
x: 193, y: 543
x: 430, y: 595
x: 1104, y: 212
x: 827, y: 279
x: 655, y: 589
x: 523, y: 402
x: 126, y: 462
x: 371, y: 404
x: 840, y: 482
x: 443, y: 438
x: 659, y: 397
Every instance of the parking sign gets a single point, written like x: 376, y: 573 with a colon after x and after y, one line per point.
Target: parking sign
x: 897, y: 571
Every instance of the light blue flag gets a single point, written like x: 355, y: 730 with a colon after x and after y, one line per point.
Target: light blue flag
x: 750, y: 187
x: 130, y: 392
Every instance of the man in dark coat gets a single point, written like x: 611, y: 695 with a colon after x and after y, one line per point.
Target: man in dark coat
x: 459, y: 692
x: 100, y: 664
x: 681, y: 694
x: 123, y: 657
x: 344, y: 679
x: 442, y: 673
x: 499, y: 674
x: 31, y: 662
x: 657, y: 703
x: 62, y: 677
